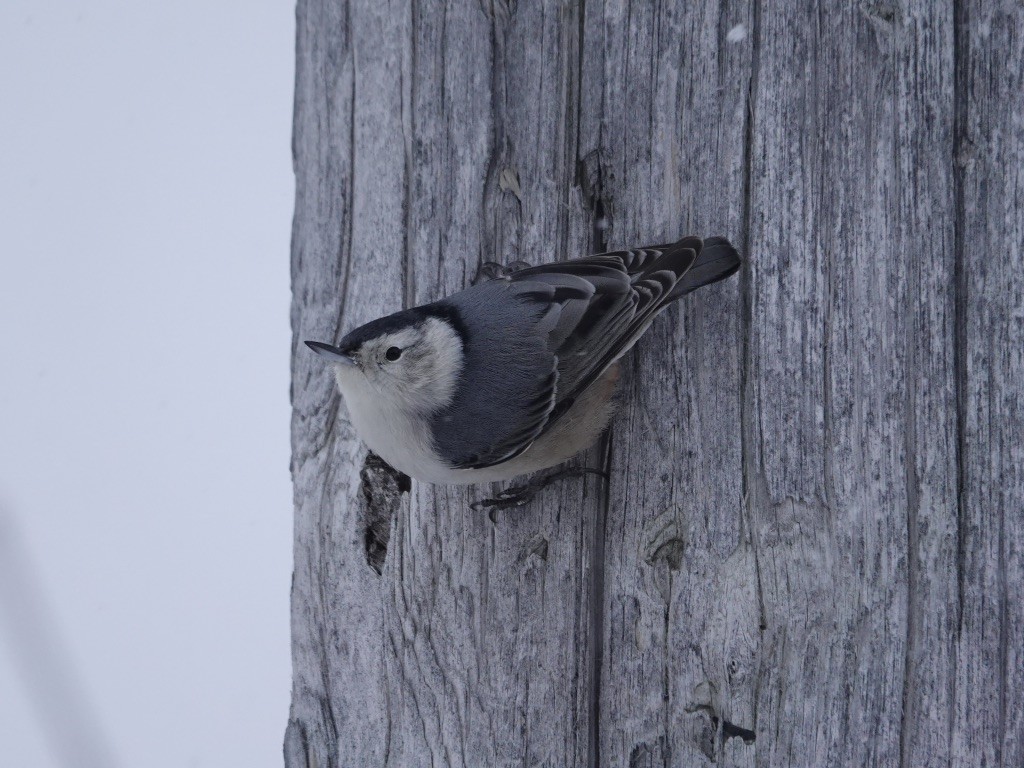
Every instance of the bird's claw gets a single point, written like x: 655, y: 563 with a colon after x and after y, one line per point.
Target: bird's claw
x: 519, y: 495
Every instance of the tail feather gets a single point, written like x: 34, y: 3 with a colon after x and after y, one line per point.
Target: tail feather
x: 716, y: 261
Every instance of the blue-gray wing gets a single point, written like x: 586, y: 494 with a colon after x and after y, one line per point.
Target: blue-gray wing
x: 509, y: 375
x: 540, y: 336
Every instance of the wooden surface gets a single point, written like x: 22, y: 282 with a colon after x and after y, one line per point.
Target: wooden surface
x: 810, y: 551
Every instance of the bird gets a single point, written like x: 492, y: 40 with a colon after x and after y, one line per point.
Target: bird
x: 514, y: 374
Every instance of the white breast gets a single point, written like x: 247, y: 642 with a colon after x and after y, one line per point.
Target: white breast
x: 402, y: 442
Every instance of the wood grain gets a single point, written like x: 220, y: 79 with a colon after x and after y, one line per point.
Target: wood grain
x: 809, y: 549
x: 989, y: 634
x: 678, y: 610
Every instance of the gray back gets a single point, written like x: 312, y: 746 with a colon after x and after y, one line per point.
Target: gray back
x: 507, y: 385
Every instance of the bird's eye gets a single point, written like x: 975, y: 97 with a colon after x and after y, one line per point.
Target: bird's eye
x: 393, y: 353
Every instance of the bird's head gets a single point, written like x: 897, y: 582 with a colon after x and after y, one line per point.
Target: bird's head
x: 410, y: 360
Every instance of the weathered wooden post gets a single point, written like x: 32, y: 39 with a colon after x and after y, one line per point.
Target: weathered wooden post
x: 810, y: 550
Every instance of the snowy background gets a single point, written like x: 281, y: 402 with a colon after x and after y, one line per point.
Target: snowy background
x: 145, y: 503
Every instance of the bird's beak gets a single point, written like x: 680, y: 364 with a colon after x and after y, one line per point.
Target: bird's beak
x: 333, y: 354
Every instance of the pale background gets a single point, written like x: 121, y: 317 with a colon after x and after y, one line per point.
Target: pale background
x: 145, y: 503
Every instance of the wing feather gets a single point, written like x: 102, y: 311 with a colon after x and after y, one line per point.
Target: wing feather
x: 630, y: 288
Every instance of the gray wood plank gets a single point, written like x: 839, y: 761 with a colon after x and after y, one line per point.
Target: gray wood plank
x: 713, y: 682
x: 922, y: 48
x: 347, y: 230
x: 431, y: 137
x: 809, y: 552
x: 828, y: 380
x: 851, y: 425
x: 989, y: 683
x: 490, y: 620
x: 678, y: 592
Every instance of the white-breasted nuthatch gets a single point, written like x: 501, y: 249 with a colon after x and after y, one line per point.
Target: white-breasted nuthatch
x: 515, y: 374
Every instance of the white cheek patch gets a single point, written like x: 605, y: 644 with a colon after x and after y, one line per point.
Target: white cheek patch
x: 443, y: 358
x: 425, y: 377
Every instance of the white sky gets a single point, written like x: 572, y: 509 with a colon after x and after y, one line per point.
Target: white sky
x: 145, y: 210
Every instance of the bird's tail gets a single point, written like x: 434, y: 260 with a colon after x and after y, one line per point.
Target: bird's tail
x: 716, y: 261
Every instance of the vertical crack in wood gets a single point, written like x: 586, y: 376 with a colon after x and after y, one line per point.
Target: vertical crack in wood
x: 500, y: 149
x: 961, y: 51
x: 746, y: 288
x: 345, y: 241
x: 590, y: 169
x: 595, y: 609
x: 581, y: 22
x: 1004, y: 640
x: 408, y: 81
x: 666, y: 674
x: 746, y: 312
x: 589, y: 176
x: 322, y: 616
x: 912, y: 606
x: 751, y: 480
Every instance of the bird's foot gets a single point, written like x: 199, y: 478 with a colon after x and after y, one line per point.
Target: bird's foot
x: 490, y: 270
x: 518, y: 495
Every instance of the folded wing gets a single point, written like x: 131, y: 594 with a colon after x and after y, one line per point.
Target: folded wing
x: 541, y: 336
